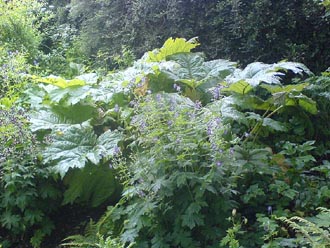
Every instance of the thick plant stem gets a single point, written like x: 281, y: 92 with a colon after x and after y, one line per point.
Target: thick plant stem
x: 255, y: 130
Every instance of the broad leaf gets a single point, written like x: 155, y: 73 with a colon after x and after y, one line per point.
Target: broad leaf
x: 77, y: 145
x: 190, y: 69
x: 46, y: 120
x: 60, y: 82
x: 92, y: 185
x: 258, y: 72
x: 106, y: 146
x: 241, y: 87
x: 304, y: 102
x: 274, y: 125
x: 69, y: 149
x: 71, y: 95
x: 227, y: 109
x: 89, y: 78
x: 286, y: 88
x: 60, y: 117
x: 170, y: 47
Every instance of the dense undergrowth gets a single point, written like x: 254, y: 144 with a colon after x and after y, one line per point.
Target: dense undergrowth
x: 174, y: 150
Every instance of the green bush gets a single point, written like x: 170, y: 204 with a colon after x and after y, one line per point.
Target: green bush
x: 13, y: 75
x: 28, y: 191
x: 19, y: 23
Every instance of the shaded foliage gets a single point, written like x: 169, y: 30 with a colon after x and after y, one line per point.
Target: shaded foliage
x: 244, y: 31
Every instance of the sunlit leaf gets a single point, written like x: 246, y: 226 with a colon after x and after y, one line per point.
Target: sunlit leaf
x: 77, y: 145
x: 240, y: 87
x: 172, y: 46
x: 61, y: 82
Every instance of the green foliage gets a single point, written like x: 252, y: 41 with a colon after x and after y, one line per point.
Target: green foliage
x: 264, y: 30
x: 244, y: 30
x: 312, y: 231
x: 170, y: 47
x: 183, y: 139
x: 198, y: 138
x: 73, y: 118
x: 296, y: 231
x: 76, y: 145
x: 12, y: 76
x: 28, y: 192
x: 93, y: 240
x: 18, y: 25
x: 326, y: 4
x: 176, y: 176
x: 319, y: 90
x: 91, y: 185
x: 230, y: 238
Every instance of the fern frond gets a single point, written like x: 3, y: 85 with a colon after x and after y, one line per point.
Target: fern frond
x: 310, y: 230
x: 78, y: 241
x: 297, y: 228
x: 323, y: 210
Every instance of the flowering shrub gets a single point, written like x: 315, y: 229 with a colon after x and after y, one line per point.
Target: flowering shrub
x: 28, y: 192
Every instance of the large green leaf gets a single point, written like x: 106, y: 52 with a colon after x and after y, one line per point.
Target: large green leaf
x: 241, y: 87
x: 294, y: 98
x: 274, y: 125
x: 60, y: 82
x: 188, y: 70
x: 258, y: 72
x: 70, y: 149
x: 46, y: 120
x: 286, y: 88
x: 91, y: 185
x: 192, y: 70
x: 227, y: 107
x: 71, y: 95
x: 59, y: 117
x: 105, y: 147
x: 219, y: 68
x: 304, y: 102
x: 170, y: 47
x: 77, y: 145
x: 89, y: 78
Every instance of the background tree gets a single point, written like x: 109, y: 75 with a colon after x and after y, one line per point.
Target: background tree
x: 240, y: 30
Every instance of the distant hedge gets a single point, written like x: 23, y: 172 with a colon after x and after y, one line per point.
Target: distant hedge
x: 240, y: 30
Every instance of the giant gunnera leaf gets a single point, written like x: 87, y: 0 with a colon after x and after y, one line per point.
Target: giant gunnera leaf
x: 77, y: 145
x: 92, y: 185
x: 191, y: 70
x: 172, y: 46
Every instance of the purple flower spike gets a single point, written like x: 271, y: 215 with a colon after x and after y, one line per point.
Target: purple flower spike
x: 116, y: 109
x: 209, y: 131
x: 198, y: 104
x: 216, y: 93
x: 116, y: 150
x: 269, y: 209
x: 158, y: 97
x: 176, y: 87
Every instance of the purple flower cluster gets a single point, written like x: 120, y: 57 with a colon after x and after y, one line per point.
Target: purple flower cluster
x: 176, y: 87
x: 116, y: 151
x: 216, y: 92
x: 198, y: 105
x: 116, y: 108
